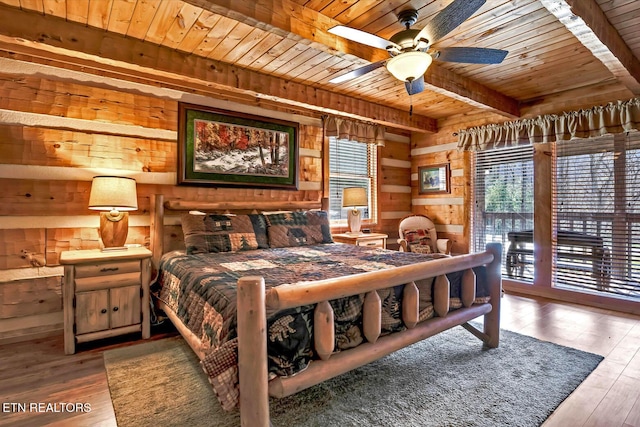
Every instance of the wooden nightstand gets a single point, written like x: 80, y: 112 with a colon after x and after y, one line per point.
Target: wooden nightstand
x: 105, y: 294
x: 374, y: 240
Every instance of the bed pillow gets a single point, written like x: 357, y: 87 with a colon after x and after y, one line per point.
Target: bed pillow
x: 418, y: 241
x: 223, y: 233
x: 287, y: 229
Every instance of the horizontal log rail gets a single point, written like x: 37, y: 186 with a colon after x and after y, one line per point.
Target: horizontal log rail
x: 269, y: 205
x: 296, y: 295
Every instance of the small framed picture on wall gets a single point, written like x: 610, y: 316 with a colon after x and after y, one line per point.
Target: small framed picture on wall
x: 434, y: 179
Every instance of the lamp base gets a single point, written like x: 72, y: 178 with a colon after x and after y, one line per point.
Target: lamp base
x: 354, y: 220
x: 114, y: 229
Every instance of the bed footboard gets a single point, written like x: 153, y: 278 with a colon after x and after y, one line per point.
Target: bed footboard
x: 252, y: 334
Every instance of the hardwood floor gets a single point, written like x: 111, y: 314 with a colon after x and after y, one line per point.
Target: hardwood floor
x: 610, y: 396
x: 38, y: 371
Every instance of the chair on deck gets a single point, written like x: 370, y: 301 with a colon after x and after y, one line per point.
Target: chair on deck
x: 418, y: 234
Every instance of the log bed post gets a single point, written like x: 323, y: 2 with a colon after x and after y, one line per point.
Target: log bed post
x: 156, y: 234
x: 494, y: 277
x: 252, y: 352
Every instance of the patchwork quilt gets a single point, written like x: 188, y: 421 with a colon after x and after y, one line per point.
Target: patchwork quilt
x: 201, y: 290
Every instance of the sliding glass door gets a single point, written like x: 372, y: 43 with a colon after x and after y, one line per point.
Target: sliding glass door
x: 503, y: 207
x: 597, y: 215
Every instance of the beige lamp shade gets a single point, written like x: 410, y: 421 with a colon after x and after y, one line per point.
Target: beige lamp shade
x: 115, y: 195
x: 409, y: 66
x: 109, y: 193
x: 354, y: 196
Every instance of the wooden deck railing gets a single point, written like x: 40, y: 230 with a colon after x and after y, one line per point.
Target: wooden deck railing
x: 618, y: 260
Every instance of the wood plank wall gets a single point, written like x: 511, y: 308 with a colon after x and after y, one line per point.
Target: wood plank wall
x: 59, y: 128
x: 394, y: 187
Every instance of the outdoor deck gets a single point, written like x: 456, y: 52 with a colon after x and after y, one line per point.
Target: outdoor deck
x: 575, y: 251
x: 585, y: 244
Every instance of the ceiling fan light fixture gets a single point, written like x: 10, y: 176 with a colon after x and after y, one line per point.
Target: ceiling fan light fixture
x: 409, y: 66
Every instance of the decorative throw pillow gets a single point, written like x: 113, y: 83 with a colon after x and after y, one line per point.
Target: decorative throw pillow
x: 420, y: 249
x: 287, y: 229
x: 223, y: 233
x: 418, y: 241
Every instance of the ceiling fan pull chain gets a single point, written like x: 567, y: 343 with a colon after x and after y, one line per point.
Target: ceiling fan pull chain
x: 411, y: 100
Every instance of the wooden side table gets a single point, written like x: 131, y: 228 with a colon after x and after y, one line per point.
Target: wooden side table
x: 105, y: 294
x: 374, y: 240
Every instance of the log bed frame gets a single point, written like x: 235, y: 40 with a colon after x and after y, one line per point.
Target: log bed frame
x: 253, y: 302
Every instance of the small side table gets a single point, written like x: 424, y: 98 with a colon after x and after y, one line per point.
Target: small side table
x: 373, y: 240
x: 105, y: 294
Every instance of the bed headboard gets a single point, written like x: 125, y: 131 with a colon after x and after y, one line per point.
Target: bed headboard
x: 163, y: 236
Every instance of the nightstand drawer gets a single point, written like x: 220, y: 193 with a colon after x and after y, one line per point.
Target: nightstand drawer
x: 373, y: 243
x: 84, y: 284
x: 106, y: 268
x: 369, y: 240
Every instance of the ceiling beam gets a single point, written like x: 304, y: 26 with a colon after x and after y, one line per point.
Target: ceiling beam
x: 586, y: 20
x: 448, y: 83
x: 97, y: 51
x: 304, y: 25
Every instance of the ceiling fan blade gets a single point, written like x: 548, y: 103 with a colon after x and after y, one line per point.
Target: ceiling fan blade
x: 358, y: 72
x: 471, y: 55
x: 448, y: 19
x: 362, y: 37
x: 415, y: 86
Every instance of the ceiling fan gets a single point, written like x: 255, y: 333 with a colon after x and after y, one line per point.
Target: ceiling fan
x: 409, y: 48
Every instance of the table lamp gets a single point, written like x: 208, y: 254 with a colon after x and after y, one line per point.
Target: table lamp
x: 352, y: 197
x: 115, y: 196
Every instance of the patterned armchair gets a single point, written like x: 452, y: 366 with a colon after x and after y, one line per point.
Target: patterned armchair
x: 418, y: 234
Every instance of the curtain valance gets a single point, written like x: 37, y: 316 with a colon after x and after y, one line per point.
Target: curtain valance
x: 615, y: 117
x: 352, y: 130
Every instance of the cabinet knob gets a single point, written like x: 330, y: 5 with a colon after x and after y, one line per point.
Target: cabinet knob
x: 106, y: 269
x: 103, y: 311
x: 115, y: 308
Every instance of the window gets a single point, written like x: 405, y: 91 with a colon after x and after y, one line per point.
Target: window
x: 503, y: 206
x: 597, y: 214
x: 351, y: 164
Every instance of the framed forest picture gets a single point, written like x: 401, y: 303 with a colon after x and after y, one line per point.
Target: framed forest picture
x: 224, y: 148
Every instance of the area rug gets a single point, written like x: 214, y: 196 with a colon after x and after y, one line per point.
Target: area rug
x: 446, y: 380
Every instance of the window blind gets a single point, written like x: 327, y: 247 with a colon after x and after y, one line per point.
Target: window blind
x: 351, y: 164
x: 503, y: 203
x: 597, y: 214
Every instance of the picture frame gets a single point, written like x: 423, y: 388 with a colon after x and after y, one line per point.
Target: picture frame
x: 225, y: 148
x: 435, y: 179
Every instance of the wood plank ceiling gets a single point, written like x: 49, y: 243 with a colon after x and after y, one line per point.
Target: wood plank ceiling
x: 280, y: 50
